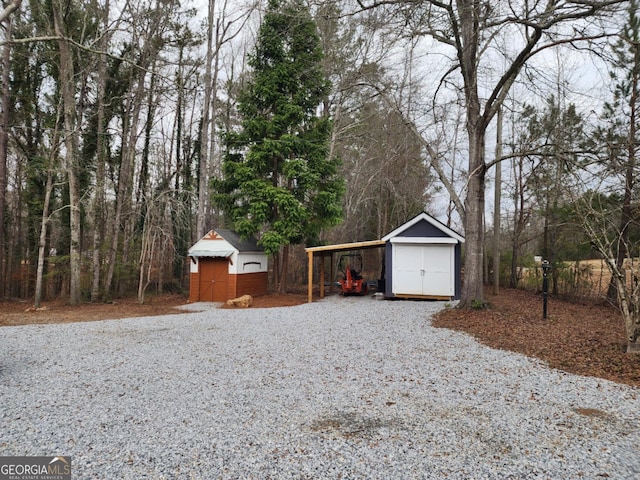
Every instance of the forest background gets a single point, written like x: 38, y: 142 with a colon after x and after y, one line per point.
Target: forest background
x: 112, y: 115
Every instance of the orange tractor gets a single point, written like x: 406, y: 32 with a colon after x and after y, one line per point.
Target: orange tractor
x: 352, y: 283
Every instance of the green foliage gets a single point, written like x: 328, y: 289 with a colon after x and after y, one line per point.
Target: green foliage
x: 557, y: 133
x: 478, y: 304
x: 279, y: 182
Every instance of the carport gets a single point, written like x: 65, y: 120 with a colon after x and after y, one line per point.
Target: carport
x: 327, y: 251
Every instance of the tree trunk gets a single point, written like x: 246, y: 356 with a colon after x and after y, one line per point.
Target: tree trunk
x: 101, y: 153
x: 4, y: 144
x: 123, y: 195
x: 626, y: 214
x: 519, y: 219
x: 9, y: 9
x: 284, y: 264
x: 67, y: 86
x: 633, y: 319
x: 145, y: 263
x: 496, y: 207
x: 629, y: 306
x: 215, y: 162
x: 472, y: 288
x: 43, y: 239
x: 203, y: 170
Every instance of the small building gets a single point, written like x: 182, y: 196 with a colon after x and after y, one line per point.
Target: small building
x: 423, y: 259
x: 225, y: 266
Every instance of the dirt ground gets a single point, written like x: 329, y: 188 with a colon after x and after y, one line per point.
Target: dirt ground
x: 582, y: 339
x: 22, y: 313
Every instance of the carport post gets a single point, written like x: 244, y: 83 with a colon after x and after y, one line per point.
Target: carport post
x: 321, y: 276
x: 332, y: 272
x: 310, y: 279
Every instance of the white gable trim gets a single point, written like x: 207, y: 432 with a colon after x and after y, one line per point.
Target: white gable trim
x: 424, y: 240
x: 427, y: 218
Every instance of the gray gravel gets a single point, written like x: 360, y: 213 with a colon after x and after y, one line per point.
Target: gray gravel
x: 341, y: 388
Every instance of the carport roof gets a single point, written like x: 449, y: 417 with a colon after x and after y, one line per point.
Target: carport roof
x: 345, y: 246
x: 328, y: 250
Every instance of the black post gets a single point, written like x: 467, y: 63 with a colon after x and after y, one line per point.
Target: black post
x: 545, y: 286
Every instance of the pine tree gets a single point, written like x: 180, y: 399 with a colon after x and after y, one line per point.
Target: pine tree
x: 279, y: 182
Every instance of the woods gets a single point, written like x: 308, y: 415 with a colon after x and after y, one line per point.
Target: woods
x: 129, y: 130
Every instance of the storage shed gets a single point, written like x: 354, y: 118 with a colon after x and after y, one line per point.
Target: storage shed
x: 423, y: 259
x: 225, y: 266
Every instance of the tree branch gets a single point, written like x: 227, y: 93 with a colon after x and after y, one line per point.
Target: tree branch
x: 9, y: 9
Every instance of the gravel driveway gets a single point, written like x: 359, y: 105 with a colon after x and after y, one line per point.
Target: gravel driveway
x: 341, y: 388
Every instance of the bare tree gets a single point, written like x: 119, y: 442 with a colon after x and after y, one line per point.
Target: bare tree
x: 9, y: 9
x: 222, y: 28
x: 44, y: 224
x: 203, y: 167
x: 497, y: 207
x: 152, y: 22
x: 622, y: 157
x: 608, y: 217
x: 67, y: 85
x: 469, y: 29
x: 98, y: 205
x: 599, y: 215
x: 156, y: 238
x: 5, y: 23
x: 521, y: 193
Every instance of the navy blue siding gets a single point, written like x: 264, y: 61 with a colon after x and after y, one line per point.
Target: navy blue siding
x: 423, y: 229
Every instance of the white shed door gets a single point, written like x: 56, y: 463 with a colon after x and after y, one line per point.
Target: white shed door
x: 423, y: 270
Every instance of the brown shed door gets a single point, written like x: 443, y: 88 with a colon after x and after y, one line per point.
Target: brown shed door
x: 214, y: 279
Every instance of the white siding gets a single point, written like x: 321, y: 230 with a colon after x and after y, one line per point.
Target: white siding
x: 250, y: 262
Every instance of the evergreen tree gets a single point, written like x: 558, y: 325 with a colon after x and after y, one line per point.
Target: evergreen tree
x: 280, y: 183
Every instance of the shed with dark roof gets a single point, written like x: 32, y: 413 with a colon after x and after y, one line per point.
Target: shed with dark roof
x: 223, y: 266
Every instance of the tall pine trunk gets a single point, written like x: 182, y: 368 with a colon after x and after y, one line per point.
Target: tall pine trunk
x: 4, y: 145
x: 203, y: 164
x: 67, y: 86
x: 101, y: 153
